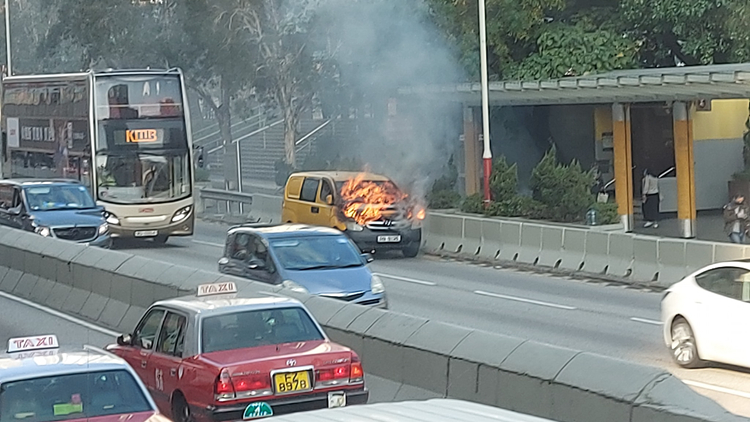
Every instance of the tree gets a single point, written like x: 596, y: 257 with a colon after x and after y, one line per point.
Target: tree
x: 278, y: 33
x: 193, y: 35
x: 688, y: 31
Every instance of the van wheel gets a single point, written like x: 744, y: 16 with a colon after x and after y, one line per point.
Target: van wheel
x: 412, y: 250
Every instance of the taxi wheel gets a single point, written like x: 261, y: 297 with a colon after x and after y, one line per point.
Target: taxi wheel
x: 180, y: 409
x: 684, y: 347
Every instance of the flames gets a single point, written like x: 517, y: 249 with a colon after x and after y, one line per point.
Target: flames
x: 365, y: 201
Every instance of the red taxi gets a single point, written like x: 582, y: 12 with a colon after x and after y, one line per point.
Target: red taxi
x: 40, y: 382
x: 214, y: 358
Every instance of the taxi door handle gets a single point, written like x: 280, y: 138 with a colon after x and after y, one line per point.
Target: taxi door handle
x: 314, y: 210
x: 173, y: 372
x: 143, y: 364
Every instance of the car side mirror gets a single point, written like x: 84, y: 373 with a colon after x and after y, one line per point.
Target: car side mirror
x: 14, y: 211
x: 367, y: 258
x: 329, y: 199
x: 125, y: 340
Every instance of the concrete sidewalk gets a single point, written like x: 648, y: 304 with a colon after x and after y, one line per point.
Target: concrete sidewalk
x: 709, y: 226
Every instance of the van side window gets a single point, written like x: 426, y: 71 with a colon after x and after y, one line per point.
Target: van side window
x: 325, y: 190
x: 6, y: 196
x: 309, y: 190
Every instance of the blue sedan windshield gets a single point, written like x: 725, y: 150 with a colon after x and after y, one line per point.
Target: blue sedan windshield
x: 58, y: 197
x: 313, y: 253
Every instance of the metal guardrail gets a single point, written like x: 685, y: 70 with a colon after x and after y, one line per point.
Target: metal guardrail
x: 232, y: 200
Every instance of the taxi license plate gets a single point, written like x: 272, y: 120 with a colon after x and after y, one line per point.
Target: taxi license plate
x: 389, y: 239
x: 291, y: 382
x: 146, y: 233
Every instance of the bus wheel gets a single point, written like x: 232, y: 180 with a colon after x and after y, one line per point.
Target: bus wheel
x: 161, y: 239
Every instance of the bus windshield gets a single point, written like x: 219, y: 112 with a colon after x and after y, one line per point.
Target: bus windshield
x: 142, y: 147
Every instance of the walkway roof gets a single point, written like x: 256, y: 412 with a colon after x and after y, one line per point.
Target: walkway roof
x: 627, y: 86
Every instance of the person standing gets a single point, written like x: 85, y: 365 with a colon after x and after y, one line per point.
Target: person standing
x: 650, y: 199
x: 736, y: 219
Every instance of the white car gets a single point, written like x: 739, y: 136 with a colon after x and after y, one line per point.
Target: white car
x: 706, y: 316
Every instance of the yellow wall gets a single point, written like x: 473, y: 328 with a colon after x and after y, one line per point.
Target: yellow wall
x: 602, y: 121
x: 726, y: 120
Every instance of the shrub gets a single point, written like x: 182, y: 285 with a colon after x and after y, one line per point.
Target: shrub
x: 283, y: 170
x: 607, y: 212
x: 202, y: 175
x: 503, y: 180
x: 443, y: 199
x: 518, y: 206
x: 473, y: 204
x: 564, y: 189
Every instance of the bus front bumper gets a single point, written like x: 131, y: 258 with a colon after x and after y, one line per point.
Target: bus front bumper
x: 182, y: 228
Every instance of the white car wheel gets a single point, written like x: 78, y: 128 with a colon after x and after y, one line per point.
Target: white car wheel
x: 684, y: 347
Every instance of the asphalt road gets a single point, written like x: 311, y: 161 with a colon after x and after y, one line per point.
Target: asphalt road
x: 21, y: 318
x: 604, y: 318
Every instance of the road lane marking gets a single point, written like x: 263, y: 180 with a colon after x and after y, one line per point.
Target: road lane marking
x: 716, y: 388
x: 406, y: 279
x: 203, y: 242
x: 60, y: 315
x: 645, y: 321
x: 520, y: 299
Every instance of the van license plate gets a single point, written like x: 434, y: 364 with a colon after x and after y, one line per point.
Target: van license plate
x: 146, y: 233
x: 389, y: 239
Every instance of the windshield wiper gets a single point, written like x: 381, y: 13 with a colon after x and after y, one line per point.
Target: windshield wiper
x: 356, y: 264
x: 317, y: 267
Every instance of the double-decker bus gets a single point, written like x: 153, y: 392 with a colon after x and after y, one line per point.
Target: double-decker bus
x: 123, y: 133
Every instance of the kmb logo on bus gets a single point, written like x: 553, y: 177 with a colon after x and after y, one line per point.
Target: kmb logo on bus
x: 141, y: 135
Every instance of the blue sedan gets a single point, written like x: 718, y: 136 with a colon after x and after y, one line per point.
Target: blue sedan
x: 310, y: 259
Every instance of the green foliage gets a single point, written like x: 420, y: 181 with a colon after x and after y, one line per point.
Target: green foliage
x: 518, y: 206
x: 503, y: 180
x: 573, y: 50
x: 202, y: 175
x: 564, y: 189
x: 693, y: 31
x: 443, y: 199
x: 607, y: 212
x: 473, y: 204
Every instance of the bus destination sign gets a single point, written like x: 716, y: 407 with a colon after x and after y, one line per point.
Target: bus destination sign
x: 141, y: 135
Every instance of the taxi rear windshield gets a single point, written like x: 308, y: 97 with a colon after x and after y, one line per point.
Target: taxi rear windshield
x: 257, y: 328
x: 71, y: 396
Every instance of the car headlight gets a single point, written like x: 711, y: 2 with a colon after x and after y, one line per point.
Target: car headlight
x: 376, y: 285
x: 181, y: 214
x: 104, y: 228
x: 289, y: 284
x: 352, y: 226
x: 44, y: 231
x: 112, y: 219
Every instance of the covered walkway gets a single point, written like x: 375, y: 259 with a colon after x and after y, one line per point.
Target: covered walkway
x: 706, y: 103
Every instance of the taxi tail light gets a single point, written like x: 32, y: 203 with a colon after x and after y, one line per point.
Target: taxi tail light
x: 252, y: 386
x: 356, y: 373
x: 329, y: 377
x: 224, y: 389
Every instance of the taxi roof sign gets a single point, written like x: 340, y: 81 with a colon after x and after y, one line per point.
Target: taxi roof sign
x: 217, y: 288
x: 25, y: 344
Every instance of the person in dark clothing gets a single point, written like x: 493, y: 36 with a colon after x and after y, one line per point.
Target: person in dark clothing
x: 736, y: 219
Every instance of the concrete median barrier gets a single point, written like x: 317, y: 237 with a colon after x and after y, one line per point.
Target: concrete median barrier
x: 492, y: 239
x: 672, y: 265
x: 471, y: 238
x: 573, y: 249
x: 425, y: 357
x: 266, y: 208
x: 511, y: 240
x: 596, y: 260
x: 552, y: 247
x: 645, y: 259
x: 620, y: 254
x: 531, y: 243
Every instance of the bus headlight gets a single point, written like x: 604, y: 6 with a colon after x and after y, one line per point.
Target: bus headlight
x: 44, y: 231
x: 103, y: 229
x: 112, y: 219
x: 376, y: 285
x: 181, y: 214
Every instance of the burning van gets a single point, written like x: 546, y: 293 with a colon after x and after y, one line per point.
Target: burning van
x: 370, y: 208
